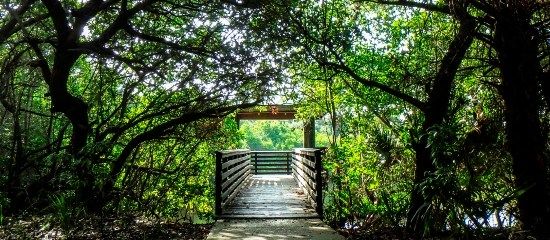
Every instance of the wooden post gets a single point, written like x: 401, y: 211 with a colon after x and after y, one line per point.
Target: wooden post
x: 292, y: 154
x: 309, y: 134
x: 218, y: 186
x: 255, y: 162
x: 319, y: 182
x: 287, y: 162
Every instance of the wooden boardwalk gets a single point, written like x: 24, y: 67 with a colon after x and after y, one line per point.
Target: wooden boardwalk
x: 270, y: 196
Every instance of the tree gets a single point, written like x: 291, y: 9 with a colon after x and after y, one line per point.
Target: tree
x: 124, y: 74
x: 517, y: 43
x: 331, y: 45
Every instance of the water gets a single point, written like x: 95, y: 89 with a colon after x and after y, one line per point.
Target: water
x: 492, y: 220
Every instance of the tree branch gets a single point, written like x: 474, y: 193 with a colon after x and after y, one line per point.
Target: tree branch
x: 369, y: 83
x: 10, y: 27
x: 41, y: 61
x: 245, y: 3
x: 190, y: 49
x: 59, y: 17
x: 162, y: 130
x: 88, y: 11
x: 426, y: 6
x: 120, y: 22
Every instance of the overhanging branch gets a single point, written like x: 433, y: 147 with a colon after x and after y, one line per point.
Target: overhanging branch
x: 370, y: 83
x: 426, y: 6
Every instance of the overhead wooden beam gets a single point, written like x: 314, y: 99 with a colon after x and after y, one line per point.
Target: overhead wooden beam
x: 265, y: 116
x: 267, y: 112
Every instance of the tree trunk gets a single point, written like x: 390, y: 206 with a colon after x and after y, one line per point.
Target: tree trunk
x: 74, y: 108
x: 435, y: 112
x: 516, y: 45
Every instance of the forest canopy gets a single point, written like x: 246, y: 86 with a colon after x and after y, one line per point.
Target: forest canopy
x: 437, y: 112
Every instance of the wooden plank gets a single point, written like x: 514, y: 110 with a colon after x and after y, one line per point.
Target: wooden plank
x: 304, y: 160
x: 302, y: 182
x: 235, y: 188
x: 233, y: 161
x: 271, y: 172
x: 263, y: 163
x: 277, y: 169
x: 306, y: 151
x: 266, y: 116
x: 308, y: 190
x: 309, y: 163
x: 310, y: 174
x: 286, y: 216
x: 267, y: 112
x: 270, y: 196
x: 278, y: 153
x: 281, y: 156
x: 310, y: 183
x: 235, y: 177
x: 230, y: 153
x: 309, y: 194
x: 286, y: 200
x: 305, y: 185
x: 257, y: 207
x: 270, y: 164
x: 234, y: 169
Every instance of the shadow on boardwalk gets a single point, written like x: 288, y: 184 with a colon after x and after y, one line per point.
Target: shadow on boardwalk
x: 260, y: 229
x: 270, y: 196
x: 271, y: 207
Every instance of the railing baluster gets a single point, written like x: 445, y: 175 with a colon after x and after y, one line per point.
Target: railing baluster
x: 287, y: 162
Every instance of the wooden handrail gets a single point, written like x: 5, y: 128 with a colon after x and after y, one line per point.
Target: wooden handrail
x: 271, y: 162
x: 233, y: 168
x: 307, y: 170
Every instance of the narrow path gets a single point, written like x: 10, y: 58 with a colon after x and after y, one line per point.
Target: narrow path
x: 271, y: 207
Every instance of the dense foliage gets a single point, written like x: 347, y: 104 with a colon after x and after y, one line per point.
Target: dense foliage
x: 271, y: 134
x: 436, y: 111
x: 119, y: 105
x: 454, y: 89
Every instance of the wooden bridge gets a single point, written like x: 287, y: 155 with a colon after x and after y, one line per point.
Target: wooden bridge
x: 269, y: 184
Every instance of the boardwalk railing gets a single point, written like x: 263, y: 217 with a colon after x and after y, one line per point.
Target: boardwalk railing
x: 233, y: 168
x: 307, y: 170
x: 271, y: 162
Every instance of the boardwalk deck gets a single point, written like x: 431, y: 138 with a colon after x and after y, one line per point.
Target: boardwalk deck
x: 272, y: 229
x: 270, y: 196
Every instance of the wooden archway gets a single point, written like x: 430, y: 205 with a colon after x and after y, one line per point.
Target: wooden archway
x: 278, y: 112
